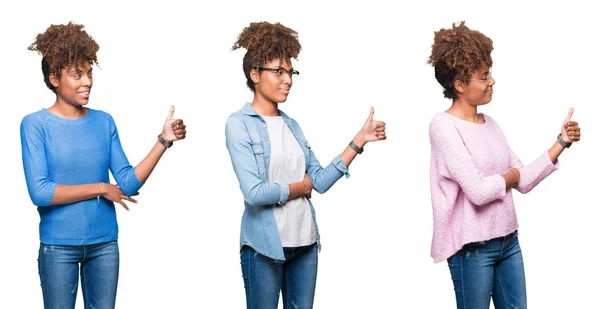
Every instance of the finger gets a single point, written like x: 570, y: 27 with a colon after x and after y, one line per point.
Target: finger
x: 370, y: 118
x: 127, y: 198
x: 171, y: 111
x: 379, y: 124
x: 571, y: 124
x: 569, y: 114
x: 176, y: 123
x: 124, y: 205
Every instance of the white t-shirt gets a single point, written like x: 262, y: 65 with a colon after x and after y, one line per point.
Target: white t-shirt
x: 288, y: 165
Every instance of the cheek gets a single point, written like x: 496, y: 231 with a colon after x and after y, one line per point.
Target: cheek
x: 268, y: 86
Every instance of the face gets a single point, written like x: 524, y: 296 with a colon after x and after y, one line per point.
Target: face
x: 74, y: 85
x: 272, y: 81
x: 479, y: 87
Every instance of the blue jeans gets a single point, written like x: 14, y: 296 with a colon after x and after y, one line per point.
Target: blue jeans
x: 264, y: 277
x: 59, y: 267
x: 489, y: 268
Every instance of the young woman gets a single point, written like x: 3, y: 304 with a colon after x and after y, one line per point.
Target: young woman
x: 277, y: 170
x: 68, y: 150
x: 473, y: 172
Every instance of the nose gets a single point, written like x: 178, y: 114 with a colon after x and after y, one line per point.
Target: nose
x: 86, y: 80
x: 287, y: 79
x: 492, y: 81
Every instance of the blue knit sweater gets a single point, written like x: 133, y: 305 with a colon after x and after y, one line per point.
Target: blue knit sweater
x: 64, y: 151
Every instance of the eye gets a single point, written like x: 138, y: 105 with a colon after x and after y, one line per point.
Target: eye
x: 76, y: 76
x: 279, y: 72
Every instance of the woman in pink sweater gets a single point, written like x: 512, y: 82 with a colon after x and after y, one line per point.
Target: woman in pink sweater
x: 473, y: 172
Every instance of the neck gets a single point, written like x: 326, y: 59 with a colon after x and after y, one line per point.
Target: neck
x: 66, y: 110
x: 463, y: 110
x: 264, y: 107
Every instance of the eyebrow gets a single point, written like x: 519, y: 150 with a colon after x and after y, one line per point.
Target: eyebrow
x: 78, y: 71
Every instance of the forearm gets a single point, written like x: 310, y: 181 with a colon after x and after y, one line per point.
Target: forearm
x: 67, y: 194
x: 297, y: 189
x: 146, y: 166
x: 555, y: 151
x: 511, y: 178
x: 349, y: 154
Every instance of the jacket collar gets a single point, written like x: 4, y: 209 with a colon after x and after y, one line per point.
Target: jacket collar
x: 248, y: 110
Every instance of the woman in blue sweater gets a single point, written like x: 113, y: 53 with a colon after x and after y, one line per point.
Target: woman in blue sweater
x: 67, y: 151
x: 277, y: 171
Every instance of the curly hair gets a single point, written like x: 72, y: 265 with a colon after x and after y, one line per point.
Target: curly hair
x: 457, y: 53
x: 265, y: 42
x: 62, y: 46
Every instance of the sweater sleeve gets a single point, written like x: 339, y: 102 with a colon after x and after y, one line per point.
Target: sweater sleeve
x: 120, y: 168
x: 455, y: 162
x: 40, y: 187
x: 243, y: 158
x: 533, y: 173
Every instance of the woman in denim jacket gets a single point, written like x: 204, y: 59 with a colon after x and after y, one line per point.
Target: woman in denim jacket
x: 277, y: 171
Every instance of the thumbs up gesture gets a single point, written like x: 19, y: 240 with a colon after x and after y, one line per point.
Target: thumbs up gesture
x: 373, y: 130
x: 174, y: 129
x: 570, y: 131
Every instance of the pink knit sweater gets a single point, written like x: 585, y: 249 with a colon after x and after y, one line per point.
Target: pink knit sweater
x: 468, y: 194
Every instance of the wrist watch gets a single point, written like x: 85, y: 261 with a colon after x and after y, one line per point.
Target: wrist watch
x: 355, y: 147
x: 162, y: 140
x: 562, y: 142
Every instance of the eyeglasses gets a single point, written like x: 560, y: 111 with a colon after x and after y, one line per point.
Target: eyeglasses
x: 279, y: 72
x: 487, y: 78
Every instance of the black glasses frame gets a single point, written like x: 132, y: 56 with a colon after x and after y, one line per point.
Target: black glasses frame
x: 280, y: 71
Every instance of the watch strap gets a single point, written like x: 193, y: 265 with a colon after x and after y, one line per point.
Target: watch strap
x: 355, y: 147
x: 562, y: 142
x: 162, y: 140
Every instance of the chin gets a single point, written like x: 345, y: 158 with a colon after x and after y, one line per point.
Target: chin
x: 486, y: 102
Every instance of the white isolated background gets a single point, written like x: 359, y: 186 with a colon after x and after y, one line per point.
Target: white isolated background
x: 179, y: 244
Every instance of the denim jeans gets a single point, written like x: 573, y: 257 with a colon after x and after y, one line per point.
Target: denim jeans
x: 492, y: 268
x: 59, y: 267
x: 296, y: 278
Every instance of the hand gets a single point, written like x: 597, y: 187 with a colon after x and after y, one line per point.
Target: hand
x: 307, y: 186
x: 113, y: 193
x: 512, y: 177
x: 517, y: 173
x: 372, y: 130
x: 174, y: 129
x: 570, y: 131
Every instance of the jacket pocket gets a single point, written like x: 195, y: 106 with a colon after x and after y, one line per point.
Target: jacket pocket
x: 260, y: 158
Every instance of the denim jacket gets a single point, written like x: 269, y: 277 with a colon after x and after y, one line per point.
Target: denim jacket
x: 247, y: 140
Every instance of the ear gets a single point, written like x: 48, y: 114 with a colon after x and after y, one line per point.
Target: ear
x: 460, y: 86
x: 54, y: 80
x: 254, y: 76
